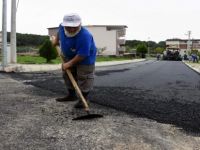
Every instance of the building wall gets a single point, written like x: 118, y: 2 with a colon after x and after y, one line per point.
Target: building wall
x: 172, y: 44
x: 183, y: 45
x: 52, y: 31
x: 105, y: 40
x: 196, y: 45
x: 121, y: 33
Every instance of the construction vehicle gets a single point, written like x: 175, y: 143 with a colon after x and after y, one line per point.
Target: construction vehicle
x: 172, y: 54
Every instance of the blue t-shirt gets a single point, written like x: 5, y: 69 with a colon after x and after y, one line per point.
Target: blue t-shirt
x: 82, y: 44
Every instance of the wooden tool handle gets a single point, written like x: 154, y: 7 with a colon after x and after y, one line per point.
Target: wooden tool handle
x: 75, y: 85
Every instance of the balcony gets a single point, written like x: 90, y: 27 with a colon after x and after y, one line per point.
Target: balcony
x: 121, y: 33
x: 121, y: 41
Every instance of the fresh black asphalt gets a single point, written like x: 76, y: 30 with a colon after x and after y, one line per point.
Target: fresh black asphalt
x: 165, y: 91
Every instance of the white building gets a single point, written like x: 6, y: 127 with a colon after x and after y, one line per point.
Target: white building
x: 109, y: 39
x: 183, y: 45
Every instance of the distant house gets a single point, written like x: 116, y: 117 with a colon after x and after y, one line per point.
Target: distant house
x: 109, y: 39
x: 183, y: 45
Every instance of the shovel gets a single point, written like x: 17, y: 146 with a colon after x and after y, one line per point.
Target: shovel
x: 79, y: 93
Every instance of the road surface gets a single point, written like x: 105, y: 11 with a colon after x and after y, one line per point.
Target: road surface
x: 146, y: 105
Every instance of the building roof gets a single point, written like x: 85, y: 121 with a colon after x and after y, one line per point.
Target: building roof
x: 109, y: 27
x: 177, y: 39
x: 174, y: 39
x: 52, y: 28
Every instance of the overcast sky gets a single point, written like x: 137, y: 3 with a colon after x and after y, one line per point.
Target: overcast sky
x: 154, y: 20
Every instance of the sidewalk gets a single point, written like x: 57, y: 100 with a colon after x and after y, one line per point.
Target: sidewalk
x: 48, y: 67
x: 194, y: 66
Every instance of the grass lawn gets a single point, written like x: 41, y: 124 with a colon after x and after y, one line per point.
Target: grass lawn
x: 40, y: 60
x: 194, y: 63
x: 35, y: 60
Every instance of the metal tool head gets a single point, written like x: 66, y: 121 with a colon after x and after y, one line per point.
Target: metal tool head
x: 89, y: 116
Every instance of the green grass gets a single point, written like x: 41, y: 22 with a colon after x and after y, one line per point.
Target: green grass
x: 193, y: 62
x: 111, y: 58
x: 35, y: 60
x: 40, y: 60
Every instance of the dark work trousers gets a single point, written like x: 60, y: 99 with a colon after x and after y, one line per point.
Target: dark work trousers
x: 84, y: 76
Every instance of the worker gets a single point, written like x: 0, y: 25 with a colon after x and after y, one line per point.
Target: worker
x: 79, y: 52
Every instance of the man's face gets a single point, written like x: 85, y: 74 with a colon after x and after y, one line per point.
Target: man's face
x: 71, y: 30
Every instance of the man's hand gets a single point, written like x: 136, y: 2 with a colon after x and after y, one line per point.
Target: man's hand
x: 66, y: 65
x: 72, y: 62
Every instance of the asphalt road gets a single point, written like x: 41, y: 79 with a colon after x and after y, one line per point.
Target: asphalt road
x: 165, y: 91
x: 146, y: 105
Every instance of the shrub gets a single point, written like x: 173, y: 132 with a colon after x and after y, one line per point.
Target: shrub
x: 142, y: 49
x: 159, y: 50
x: 48, y: 51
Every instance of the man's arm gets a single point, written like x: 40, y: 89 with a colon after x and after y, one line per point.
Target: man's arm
x: 72, y: 62
x: 55, y: 40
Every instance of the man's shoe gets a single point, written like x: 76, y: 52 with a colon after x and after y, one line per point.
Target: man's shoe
x: 79, y: 104
x: 66, y: 98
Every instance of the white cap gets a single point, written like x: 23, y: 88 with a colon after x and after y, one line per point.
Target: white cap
x: 71, y: 20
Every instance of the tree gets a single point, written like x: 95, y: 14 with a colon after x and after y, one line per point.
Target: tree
x: 132, y: 44
x: 28, y: 39
x: 159, y: 50
x: 142, y: 49
x: 151, y: 46
x: 48, y: 51
x: 161, y: 44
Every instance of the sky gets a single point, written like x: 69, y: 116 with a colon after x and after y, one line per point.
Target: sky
x: 147, y: 20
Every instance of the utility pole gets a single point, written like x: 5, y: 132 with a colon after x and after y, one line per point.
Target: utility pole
x: 13, y: 32
x: 4, y: 35
x: 189, y: 40
x: 148, y: 47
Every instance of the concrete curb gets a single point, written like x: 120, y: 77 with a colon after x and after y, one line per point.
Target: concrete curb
x: 48, y: 67
x: 112, y: 63
x: 194, y: 67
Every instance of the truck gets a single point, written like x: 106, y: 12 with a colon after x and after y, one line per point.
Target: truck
x: 172, y: 54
